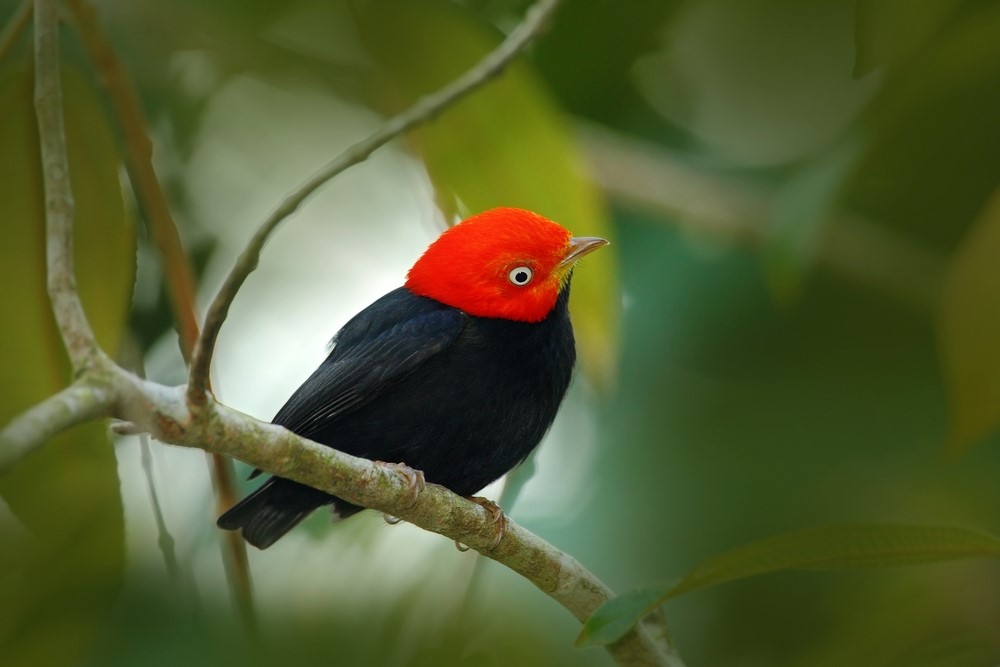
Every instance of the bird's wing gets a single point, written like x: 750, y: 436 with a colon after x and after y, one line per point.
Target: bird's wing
x: 360, y: 368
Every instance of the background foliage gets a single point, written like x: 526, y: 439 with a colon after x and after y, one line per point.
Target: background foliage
x: 799, y: 326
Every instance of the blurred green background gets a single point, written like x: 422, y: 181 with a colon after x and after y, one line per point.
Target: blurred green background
x: 797, y: 325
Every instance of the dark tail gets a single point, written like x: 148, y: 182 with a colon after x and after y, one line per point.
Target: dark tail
x: 272, y: 510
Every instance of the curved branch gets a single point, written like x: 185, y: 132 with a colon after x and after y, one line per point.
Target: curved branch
x: 82, y: 401
x: 422, y: 111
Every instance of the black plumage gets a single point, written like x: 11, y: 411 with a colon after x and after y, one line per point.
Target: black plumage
x: 410, y: 379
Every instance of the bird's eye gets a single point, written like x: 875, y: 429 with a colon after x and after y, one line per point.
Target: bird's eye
x: 520, y: 275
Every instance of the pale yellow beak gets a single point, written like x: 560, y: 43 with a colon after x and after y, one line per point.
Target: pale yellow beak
x: 578, y: 247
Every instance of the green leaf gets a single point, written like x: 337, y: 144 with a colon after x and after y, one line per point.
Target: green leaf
x: 505, y: 145
x: 834, y: 547
x: 66, y: 556
x: 617, y: 616
x: 969, y: 330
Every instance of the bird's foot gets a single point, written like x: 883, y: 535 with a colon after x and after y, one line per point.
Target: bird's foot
x: 415, y: 481
x: 497, y: 519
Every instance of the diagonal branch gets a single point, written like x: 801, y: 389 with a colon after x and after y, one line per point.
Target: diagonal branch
x: 165, y: 413
x: 74, y: 328
x: 422, y: 111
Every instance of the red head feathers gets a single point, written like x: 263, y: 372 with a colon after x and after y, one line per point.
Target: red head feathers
x: 505, y: 262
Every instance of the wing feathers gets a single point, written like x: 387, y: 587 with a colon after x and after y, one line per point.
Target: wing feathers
x: 356, y: 373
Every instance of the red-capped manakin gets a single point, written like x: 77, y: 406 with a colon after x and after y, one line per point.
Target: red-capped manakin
x: 459, y: 373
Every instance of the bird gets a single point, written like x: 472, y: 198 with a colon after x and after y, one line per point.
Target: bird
x: 457, y: 374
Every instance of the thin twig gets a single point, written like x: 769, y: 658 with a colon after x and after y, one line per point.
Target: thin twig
x: 139, y: 159
x: 80, y: 402
x: 74, y: 328
x: 234, y: 549
x: 422, y: 111
x: 15, y: 26
x: 127, y: 112
x: 165, y: 540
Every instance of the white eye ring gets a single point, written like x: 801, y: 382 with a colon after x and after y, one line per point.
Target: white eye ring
x: 520, y: 275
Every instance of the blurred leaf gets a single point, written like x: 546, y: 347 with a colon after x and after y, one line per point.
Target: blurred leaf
x: 933, y: 154
x: 890, y: 31
x: 759, y: 83
x: 969, y: 329
x: 506, y: 145
x: 967, y: 55
x: 834, y: 547
x: 65, y: 495
x: 608, y: 38
x: 802, y: 207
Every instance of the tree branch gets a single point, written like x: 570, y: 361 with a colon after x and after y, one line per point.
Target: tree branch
x: 109, y: 390
x: 74, y: 328
x: 82, y: 401
x: 422, y: 111
x: 165, y: 413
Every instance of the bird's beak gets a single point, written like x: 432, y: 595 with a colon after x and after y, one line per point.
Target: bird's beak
x: 577, y: 247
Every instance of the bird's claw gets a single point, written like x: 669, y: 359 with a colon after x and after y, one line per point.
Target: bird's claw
x: 415, y: 481
x: 497, y: 519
